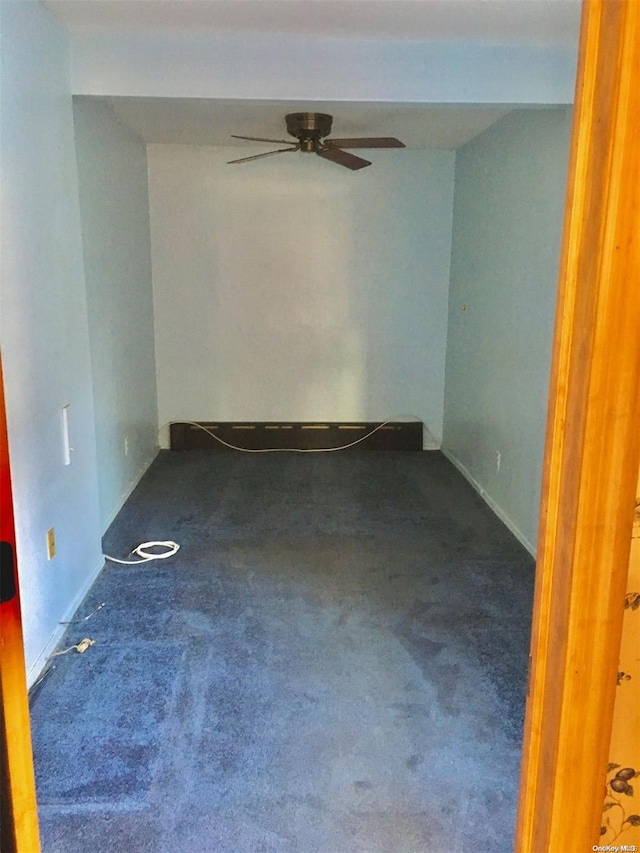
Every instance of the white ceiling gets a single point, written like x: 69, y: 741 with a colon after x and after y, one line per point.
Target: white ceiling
x: 201, y: 122
x: 493, y: 21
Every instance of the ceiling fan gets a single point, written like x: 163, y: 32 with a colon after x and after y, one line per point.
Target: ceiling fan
x: 311, y: 130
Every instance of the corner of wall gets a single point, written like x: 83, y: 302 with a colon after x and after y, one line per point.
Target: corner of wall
x: 114, y: 202
x: 508, y: 209
x: 495, y: 507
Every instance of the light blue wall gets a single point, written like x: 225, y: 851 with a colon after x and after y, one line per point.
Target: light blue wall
x: 43, y: 331
x: 508, y: 207
x: 301, y: 291
x: 114, y: 205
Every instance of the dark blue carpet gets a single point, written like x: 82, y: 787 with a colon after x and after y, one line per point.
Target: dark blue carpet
x: 334, y: 661
x: 102, y: 738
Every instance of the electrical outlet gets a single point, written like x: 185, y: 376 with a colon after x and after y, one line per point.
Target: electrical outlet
x: 126, y: 445
x: 51, y: 543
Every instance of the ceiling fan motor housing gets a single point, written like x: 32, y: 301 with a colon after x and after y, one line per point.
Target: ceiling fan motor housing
x: 309, y: 128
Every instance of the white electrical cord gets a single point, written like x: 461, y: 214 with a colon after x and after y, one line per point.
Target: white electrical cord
x: 288, y: 449
x: 80, y: 647
x: 84, y: 618
x: 146, y: 555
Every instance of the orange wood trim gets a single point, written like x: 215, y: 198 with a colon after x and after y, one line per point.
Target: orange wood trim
x: 19, y: 810
x: 592, y: 449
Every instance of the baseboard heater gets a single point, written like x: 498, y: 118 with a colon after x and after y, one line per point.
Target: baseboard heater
x: 300, y: 436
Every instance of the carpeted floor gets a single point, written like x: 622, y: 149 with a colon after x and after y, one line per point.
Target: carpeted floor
x: 334, y: 661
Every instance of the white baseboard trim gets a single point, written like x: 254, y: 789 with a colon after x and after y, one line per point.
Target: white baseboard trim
x: 129, y: 490
x: 502, y: 515
x: 40, y: 662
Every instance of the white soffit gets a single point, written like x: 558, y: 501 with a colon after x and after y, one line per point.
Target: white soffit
x: 209, y: 122
x: 548, y: 22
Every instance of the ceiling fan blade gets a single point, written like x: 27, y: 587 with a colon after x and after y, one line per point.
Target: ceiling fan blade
x: 343, y: 158
x: 262, y: 139
x: 364, y: 142
x: 266, y: 154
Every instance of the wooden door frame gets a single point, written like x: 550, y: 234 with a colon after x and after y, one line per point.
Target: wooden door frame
x: 592, y: 449
x: 18, y: 809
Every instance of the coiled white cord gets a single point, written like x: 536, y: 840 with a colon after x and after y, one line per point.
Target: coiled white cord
x: 146, y: 555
